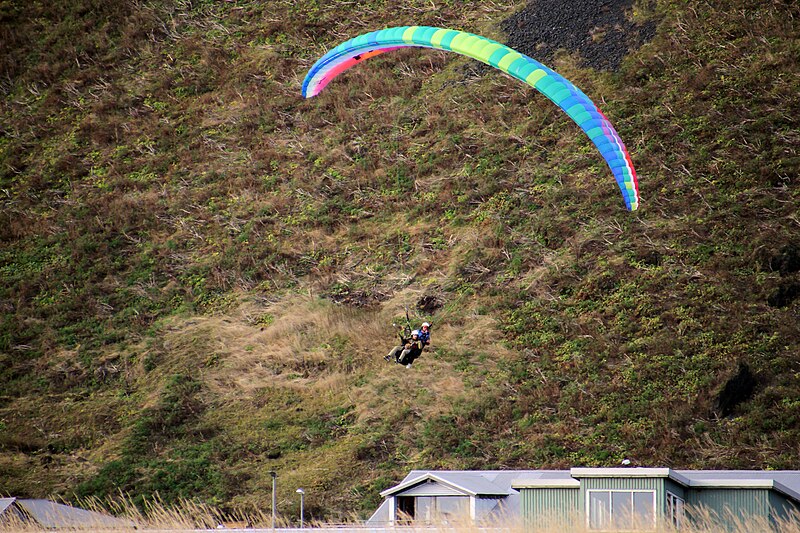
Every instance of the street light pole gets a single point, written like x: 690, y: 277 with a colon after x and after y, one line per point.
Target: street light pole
x: 274, y: 483
x: 302, y: 494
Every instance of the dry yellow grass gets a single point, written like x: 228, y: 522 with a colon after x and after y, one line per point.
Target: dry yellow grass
x: 188, y: 516
x: 298, y: 342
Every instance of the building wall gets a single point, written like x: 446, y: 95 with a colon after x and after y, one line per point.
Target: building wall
x: 782, y: 509
x: 728, y: 506
x: 674, y: 488
x: 551, y: 506
x: 489, y: 509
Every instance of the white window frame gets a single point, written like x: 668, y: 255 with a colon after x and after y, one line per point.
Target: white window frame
x: 652, y: 493
x: 676, y: 510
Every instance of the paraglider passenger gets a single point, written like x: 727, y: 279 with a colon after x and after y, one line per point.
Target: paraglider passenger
x: 425, y: 333
x: 413, y: 349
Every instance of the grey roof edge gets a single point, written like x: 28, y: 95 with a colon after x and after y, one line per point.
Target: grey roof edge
x: 751, y: 483
x: 439, y: 479
x: 786, y: 491
x: 570, y: 483
x: 638, y: 471
x: 579, y: 472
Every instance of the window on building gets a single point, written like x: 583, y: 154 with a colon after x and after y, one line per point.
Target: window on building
x: 621, y: 510
x: 675, y: 510
x: 433, y: 509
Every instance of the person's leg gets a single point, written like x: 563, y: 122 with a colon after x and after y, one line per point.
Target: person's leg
x: 393, y: 353
x: 403, y: 355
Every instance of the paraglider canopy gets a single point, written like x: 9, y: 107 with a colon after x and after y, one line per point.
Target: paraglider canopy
x: 554, y: 86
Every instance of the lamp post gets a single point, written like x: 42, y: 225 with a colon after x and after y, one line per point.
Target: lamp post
x: 302, y: 494
x: 274, y: 483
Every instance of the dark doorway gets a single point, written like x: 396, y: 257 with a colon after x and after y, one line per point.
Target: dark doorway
x: 405, y: 508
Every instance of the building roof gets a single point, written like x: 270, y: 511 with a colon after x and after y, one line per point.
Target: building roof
x: 52, y: 515
x: 497, y: 483
x: 5, y: 503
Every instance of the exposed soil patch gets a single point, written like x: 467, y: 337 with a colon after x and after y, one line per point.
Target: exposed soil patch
x: 599, y: 30
x: 430, y: 303
x: 787, y: 261
x: 785, y: 295
x: 738, y: 389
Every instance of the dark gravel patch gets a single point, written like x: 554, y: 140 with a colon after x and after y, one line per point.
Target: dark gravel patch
x: 598, y: 30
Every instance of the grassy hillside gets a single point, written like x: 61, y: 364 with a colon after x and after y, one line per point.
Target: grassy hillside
x: 200, y: 269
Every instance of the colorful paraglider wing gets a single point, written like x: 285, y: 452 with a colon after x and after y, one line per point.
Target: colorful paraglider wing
x: 557, y: 88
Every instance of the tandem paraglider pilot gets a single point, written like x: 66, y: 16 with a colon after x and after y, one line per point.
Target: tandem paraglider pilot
x: 410, y: 348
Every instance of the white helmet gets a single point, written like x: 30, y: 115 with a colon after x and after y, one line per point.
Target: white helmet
x: 415, y: 332
x: 425, y: 325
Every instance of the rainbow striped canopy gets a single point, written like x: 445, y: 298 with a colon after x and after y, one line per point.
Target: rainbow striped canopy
x: 554, y: 86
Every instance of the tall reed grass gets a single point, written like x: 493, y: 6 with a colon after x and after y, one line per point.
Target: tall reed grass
x: 188, y: 515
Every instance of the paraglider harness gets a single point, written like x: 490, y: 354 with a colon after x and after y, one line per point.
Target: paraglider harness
x: 404, y: 335
x: 405, y: 338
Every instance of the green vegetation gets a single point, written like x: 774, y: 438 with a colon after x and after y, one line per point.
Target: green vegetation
x: 199, y: 269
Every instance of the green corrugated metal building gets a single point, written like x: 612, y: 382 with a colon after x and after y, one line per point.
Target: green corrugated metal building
x: 595, y: 499
x: 608, y: 499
